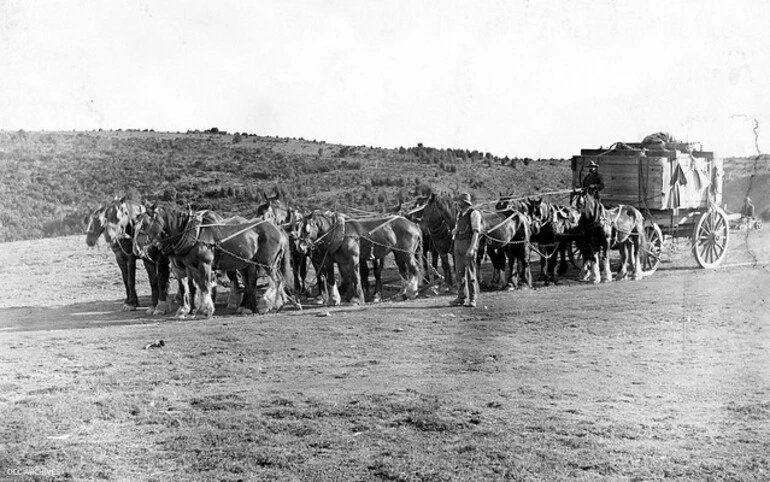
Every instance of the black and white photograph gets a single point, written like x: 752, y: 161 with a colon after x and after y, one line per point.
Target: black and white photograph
x: 384, y: 240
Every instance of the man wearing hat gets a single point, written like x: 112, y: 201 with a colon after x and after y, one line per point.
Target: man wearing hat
x: 593, y: 183
x: 466, y: 240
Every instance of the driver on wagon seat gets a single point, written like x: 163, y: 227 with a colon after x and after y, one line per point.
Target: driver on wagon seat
x: 593, y: 183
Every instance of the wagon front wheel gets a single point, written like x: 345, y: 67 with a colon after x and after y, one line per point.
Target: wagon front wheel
x: 651, y: 255
x: 710, y: 238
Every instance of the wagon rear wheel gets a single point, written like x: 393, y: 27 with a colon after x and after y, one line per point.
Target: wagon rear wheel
x: 710, y: 238
x: 651, y: 255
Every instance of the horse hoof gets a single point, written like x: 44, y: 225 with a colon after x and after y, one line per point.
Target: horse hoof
x: 399, y: 297
x: 510, y: 287
x: 127, y: 307
x: 243, y: 311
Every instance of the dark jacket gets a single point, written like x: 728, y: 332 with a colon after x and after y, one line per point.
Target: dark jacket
x: 593, y: 182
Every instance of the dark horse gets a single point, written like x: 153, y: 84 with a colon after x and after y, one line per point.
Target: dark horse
x: 348, y: 242
x: 506, y: 236
x: 429, y: 249
x: 105, y: 221
x: 550, y: 224
x: 437, y: 220
x: 205, y: 241
x: 603, y: 229
x: 277, y: 210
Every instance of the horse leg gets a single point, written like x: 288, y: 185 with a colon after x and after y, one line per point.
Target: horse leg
x: 267, y: 301
x: 543, y: 267
x: 162, y: 272
x: 508, y: 265
x: 624, y: 259
x: 152, y: 275
x: 413, y: 278
x: 243, y: 300
x: 523, y: 258
x: 205, y: 286
x: 447, y: 269
x: 129, y: 304
x: 561, y: 248
x: 596, y: 274
x: 377, y: 265
x: 606, y: 273
x: 637, y: 258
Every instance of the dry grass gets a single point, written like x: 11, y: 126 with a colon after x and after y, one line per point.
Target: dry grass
x: 668, y: 378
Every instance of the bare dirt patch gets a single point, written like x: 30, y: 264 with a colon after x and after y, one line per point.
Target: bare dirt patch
x: 668, y: 377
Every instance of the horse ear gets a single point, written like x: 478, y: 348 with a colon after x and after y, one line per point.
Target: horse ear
x: 432, y: 196
x: 264, y: 196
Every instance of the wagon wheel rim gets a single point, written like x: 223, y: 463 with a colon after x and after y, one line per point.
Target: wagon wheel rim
x: 651, y: 256
x: 710, y: 239
x: 574, y: 255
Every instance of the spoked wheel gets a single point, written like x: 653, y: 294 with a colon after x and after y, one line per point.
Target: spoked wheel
x: 651, y: 256
x: 574, y: 255
x: 710, y: 238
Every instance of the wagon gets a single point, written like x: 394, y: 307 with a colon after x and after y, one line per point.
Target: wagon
x: 676, y: 185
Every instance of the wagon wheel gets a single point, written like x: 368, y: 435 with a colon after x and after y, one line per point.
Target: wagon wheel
x: 651, y: 256
x: 758, y: 224
x: 710, y: 238
x: 574, y: 255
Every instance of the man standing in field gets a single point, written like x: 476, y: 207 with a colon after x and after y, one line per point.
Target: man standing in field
x: 593, y: 183
x: 466, y: 240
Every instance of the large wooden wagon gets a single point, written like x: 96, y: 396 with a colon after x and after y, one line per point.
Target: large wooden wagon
x: 676, y: 185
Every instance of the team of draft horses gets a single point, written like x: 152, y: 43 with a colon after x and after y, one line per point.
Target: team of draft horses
x: 277, y: 244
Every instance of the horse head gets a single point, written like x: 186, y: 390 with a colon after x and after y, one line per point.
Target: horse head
x: 541, y: 213
x: 438, y: 216
x: 584, y: 202
x: 315, y: 228
x: 275, y: 209
x: 148, y: 230
x: 95, y: 222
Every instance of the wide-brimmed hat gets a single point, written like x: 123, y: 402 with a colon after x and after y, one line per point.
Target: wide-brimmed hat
x: 592, y: 164
x: 464, y: 197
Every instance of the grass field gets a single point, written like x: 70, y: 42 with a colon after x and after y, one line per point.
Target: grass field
x: 666, y: 378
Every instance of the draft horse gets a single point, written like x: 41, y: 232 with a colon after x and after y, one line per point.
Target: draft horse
x: 348, y: 242
x: 506, y: 237
x: 277, y: 210
x: 437, y: 220
x: 105, y: 221
x: 551, y: 225
x: 621, y: 227
x: 429, y: 248
x: 205, y: 241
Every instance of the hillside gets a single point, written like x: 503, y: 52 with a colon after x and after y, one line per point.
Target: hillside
x: 50, y: 180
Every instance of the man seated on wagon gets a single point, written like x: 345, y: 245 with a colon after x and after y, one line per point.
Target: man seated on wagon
x: 593, y: 182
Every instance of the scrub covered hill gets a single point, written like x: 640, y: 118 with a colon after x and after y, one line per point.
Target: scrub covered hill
x: 51, y: 180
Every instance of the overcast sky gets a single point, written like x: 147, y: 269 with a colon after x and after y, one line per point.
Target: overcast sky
x: 535, y: 78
